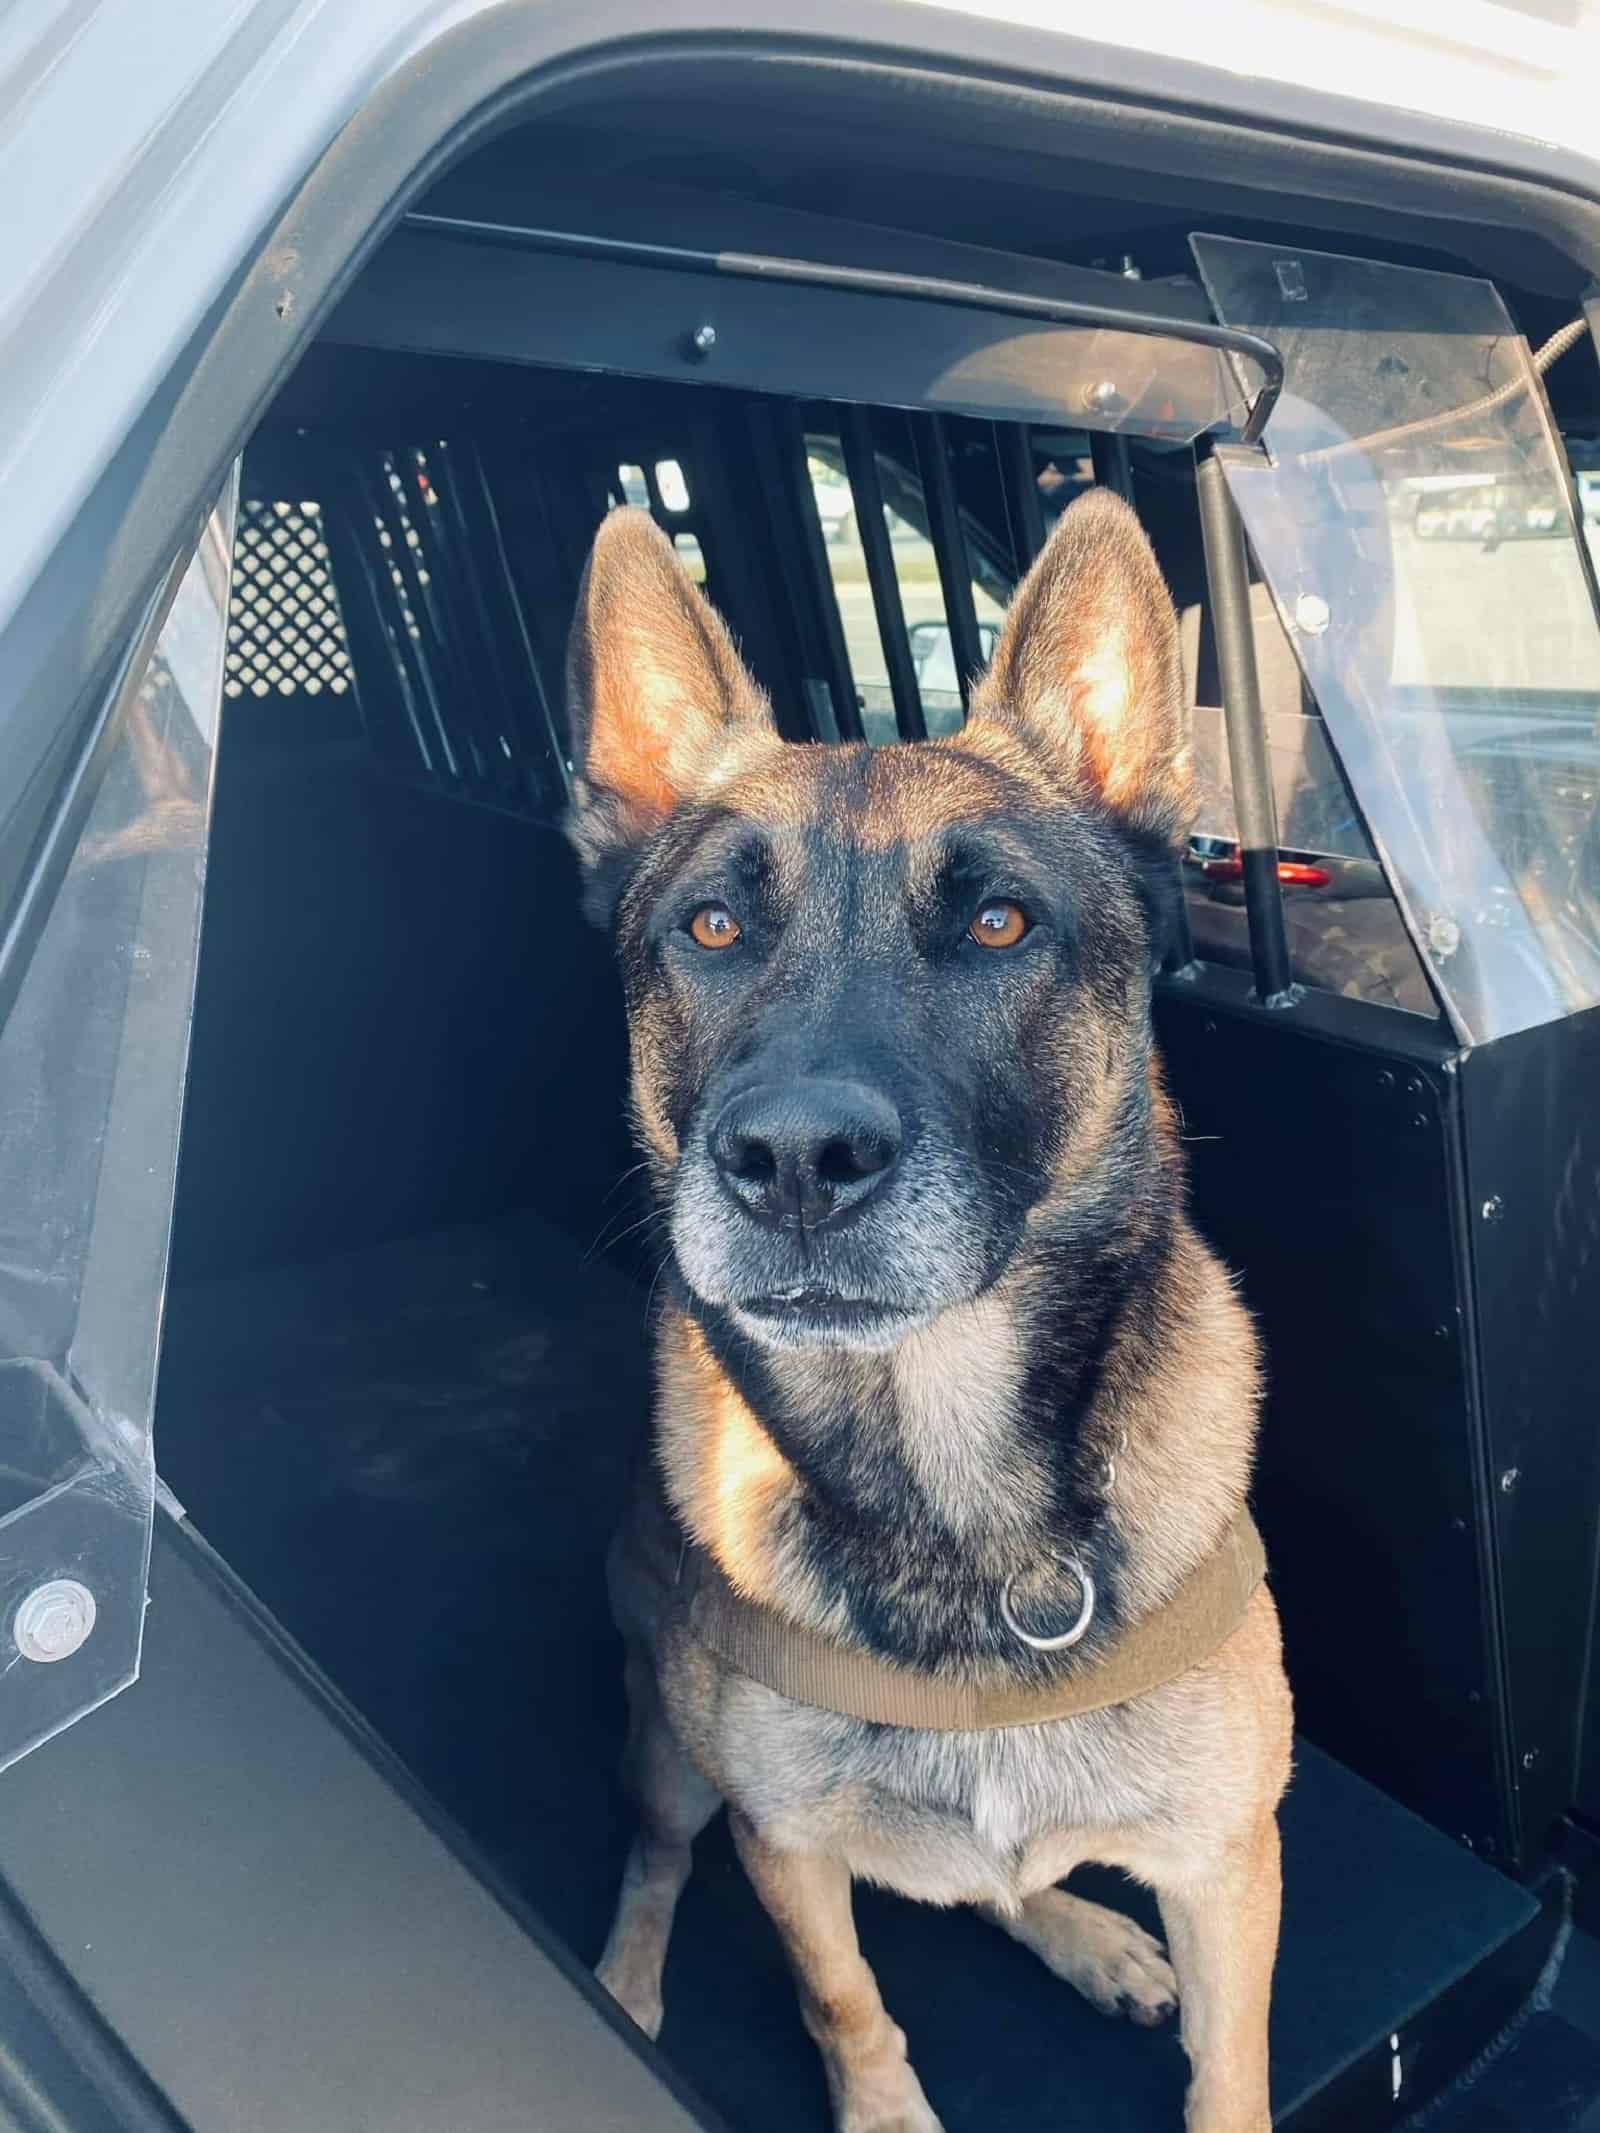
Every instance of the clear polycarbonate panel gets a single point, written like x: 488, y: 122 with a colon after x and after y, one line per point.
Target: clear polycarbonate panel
x: 1100, y: 377
x: 1414, y: 518
x: 92, y: 1058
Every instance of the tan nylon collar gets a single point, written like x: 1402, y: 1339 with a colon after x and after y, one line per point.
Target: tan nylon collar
x: 809, y: 1668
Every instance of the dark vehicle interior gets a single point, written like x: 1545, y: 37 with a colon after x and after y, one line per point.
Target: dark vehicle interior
x: 406, y: 1359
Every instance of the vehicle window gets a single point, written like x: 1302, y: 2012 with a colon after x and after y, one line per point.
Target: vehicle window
x: 671, y: 486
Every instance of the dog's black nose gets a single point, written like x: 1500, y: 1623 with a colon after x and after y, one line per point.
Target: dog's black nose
x: 805, y: 1151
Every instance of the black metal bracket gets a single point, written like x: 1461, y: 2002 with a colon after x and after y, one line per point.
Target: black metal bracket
x: 880, y: 281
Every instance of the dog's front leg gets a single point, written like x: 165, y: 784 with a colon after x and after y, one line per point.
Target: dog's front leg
x: 807, y: 1895
x: 675, y: 1804
x: 1222, y: 1933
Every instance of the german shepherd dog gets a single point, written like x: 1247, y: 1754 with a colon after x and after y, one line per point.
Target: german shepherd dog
x: 940, y: 1342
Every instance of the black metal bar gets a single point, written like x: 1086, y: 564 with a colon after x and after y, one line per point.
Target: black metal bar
x: 1228, y: 583
x: 949, y: 548
x: 371, y: 609
x: 780, y: 439
x: 461, y: 617
x: 1014, y: 443
x: 861, y: 465
x: 737, y: 506
x: 410, y: 593
x: 1113, y: 464
x: 875, y: 281
x: 554, y: 728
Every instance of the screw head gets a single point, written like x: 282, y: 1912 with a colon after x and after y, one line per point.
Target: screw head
x: 703, y: 339
x: 53, y: 1621
x: 1529, y: 1757
x: 1493, y: 1208
x: 1312, y: 614
x: 1509, y: 1479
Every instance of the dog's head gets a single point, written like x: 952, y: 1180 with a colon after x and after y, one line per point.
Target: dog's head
x: 888, y: 1007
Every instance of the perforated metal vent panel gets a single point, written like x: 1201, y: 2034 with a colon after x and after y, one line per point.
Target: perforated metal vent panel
x: 285, y: 631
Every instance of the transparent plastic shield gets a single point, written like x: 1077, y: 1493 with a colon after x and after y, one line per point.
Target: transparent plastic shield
x: 1416, y: 527
x: 92, y: 1058
x: 1100, y: 377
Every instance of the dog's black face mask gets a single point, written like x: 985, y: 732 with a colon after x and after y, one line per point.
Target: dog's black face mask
x: 886, y: 1006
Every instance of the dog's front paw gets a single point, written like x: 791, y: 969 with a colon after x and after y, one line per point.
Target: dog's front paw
x: 910, y: 2113
x: 636, y: 1995
x: 1115, y: 1964
x: 878, y: 2092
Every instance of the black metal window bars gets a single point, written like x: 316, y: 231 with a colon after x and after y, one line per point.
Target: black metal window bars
x: 1227, y: 568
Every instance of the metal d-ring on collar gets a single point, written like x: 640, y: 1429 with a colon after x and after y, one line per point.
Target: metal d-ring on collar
x: 1068, y: 1637
x: 1080, y: 1628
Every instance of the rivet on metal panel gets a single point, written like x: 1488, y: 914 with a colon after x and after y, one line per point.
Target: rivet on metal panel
x: 1420, y: 1120
x: 53, y: 1621
x: 1385, y: 1078
x: 1312, y: 614
x: 1509, y: 1479
x: 1529, y: 1757
x: 1493, y: 1208
x: 702, y: 341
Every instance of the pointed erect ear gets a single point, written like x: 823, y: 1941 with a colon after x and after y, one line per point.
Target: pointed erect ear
x: 1088, y: 663
x: 654, y: 689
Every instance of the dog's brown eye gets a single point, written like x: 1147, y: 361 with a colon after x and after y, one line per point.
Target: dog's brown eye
x: 999, y: 925
x: 714, y: 926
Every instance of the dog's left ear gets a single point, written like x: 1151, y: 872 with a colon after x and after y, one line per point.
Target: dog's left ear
x: 654, y: 690
x: 1088, y: 663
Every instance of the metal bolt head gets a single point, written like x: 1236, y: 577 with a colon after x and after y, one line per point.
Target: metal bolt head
x: 1529, y: 1757
x: 53, y: 1621
x: 1493, y: 1208
x: 1444, y: 936
x: 1312, y: 614
x: 703, y: 339
x: 1103, y: 398
x: 1509, y: 1479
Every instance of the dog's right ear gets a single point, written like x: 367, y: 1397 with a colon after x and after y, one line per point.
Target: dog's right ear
x: 654, y: 690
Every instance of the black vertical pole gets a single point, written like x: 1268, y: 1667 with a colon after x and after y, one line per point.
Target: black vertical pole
x: 1021, y: 481
x: 861, y: 465
x: 1113, y: 467
x: 949, y: 548
x: 1228, y: 580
